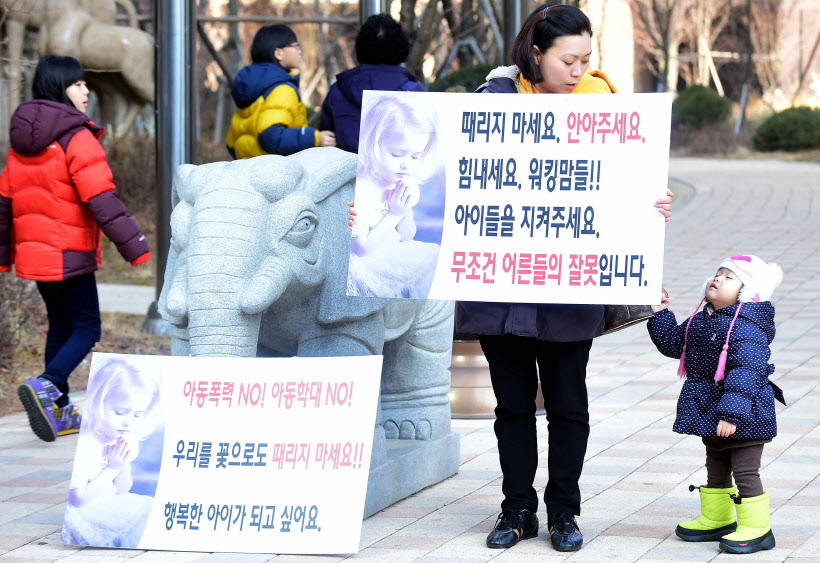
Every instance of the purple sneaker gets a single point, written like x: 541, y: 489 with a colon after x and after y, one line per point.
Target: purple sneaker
x: 68, y: 419
x: 38, y: 396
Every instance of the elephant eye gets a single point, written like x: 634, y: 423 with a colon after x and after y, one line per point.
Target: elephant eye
x: 301, y: 232
x: 303, y: 225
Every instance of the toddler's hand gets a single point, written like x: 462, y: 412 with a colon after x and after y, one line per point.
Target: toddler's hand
x: 351, y: 215
x: 725, y: 429
x: 664, y: 302
x: 664, y: 205
x: 397, y: 200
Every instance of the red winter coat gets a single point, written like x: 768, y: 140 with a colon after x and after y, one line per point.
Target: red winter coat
x: 56, y: 193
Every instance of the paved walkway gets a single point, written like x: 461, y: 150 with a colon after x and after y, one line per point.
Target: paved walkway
x: 637, y: 471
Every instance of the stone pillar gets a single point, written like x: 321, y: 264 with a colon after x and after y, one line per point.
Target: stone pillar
x: 515, y: 12
x: 175, y: 118
x: 369, y: 8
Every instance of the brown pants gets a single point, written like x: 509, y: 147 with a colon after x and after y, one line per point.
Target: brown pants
x: 738, y: 458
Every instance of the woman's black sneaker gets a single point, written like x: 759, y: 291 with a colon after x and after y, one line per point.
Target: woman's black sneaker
x: 565, y: 534
x: 512, y: 526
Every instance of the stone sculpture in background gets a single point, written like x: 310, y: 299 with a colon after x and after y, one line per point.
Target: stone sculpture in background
x: 119, y: 60
x: 258, y: 266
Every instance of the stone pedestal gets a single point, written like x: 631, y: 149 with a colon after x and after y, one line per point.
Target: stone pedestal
x: 411, y: 466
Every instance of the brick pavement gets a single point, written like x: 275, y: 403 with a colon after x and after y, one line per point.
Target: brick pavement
x: 637, y: 470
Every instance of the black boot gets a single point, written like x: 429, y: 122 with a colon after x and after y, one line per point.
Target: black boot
x: 565, y: 534
x: 512, y: 526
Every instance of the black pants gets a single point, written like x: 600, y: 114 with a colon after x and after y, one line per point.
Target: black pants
x: 562, y: 369
x: 73, y: 327
x: 738, y: 458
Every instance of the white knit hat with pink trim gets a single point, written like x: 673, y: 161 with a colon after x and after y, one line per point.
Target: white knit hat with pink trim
x: 759, y: 279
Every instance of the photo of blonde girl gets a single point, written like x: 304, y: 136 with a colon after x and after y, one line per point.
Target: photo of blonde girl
x: 104, y: 508
x: 397, y: 165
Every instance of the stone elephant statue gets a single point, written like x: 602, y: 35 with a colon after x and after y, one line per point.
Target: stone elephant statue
x: 258, y: 266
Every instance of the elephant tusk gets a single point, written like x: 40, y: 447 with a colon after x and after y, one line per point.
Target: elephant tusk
x: 177, y: 304
x: 269, y: 283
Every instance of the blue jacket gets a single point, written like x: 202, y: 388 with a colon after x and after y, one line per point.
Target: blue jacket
x: 270, y: 117
x: 745, y: 396
x: 342, y: 108
x: 551, y: 322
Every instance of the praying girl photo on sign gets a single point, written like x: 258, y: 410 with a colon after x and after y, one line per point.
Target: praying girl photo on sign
x: 399, y: 200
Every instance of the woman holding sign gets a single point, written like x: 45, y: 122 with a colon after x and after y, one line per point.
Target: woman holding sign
x: 525, y: 341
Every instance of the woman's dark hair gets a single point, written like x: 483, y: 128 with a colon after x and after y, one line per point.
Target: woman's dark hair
x: 382, y: 41
x: 268, y: 39
x: 546, y: 24
x: 53, y: 75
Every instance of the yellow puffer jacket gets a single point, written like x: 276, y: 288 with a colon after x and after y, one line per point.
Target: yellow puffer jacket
x: 270, y: 117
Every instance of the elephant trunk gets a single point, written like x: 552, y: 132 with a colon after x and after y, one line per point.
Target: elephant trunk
x: 223, y: 333
x: 223, y: 257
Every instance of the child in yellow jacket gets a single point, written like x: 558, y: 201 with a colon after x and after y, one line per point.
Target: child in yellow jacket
x: 270, y: 117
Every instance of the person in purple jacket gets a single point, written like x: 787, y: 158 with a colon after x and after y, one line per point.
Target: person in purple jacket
x: 381, y: 46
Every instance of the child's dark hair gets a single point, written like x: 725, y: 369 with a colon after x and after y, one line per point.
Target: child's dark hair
x: 382, y: 41
x: 546, y: 24
x: 268, y: 39
x: 53, y: 75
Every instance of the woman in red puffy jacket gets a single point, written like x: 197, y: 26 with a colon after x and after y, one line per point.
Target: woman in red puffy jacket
x: 56, y: 194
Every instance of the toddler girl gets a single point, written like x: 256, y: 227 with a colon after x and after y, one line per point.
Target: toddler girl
x: 727, y: 398
x: 56, y: 194
x: 385, y: 261
x: 118, y: 414
x: 270, y: 116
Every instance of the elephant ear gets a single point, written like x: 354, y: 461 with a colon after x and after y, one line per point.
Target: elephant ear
x: 328, y: 170
x: 275, y: 176
x: 334, y: 304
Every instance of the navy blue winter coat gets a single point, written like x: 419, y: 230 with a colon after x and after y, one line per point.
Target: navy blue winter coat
x: 745, y: 396
x: 342, y: 108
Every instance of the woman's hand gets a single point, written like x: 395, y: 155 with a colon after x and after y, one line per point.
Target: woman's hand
x: 725, y: 429
x: 398, y: 200
x: 351, y: 215
x: 327, y: 139
x: 664, y: 205
x: 664, y: 302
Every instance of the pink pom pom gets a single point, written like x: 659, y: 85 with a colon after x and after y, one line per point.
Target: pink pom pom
x: 722, y: 363
x: 725, y: 353
x: 682, y: 365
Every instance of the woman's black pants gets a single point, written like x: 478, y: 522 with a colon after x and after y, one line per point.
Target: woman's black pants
x: 516, y: 362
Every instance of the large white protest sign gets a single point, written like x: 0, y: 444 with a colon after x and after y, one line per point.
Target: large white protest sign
x: 265, y: 455
x: 509, y: 197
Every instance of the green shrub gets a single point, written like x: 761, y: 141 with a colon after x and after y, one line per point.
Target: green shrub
x: 698, y: 106
x: 789, y: 130
x: 469, y: 78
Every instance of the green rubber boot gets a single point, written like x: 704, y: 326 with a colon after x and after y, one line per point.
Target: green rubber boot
x: 753, y: 531
x: 717, y: 516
